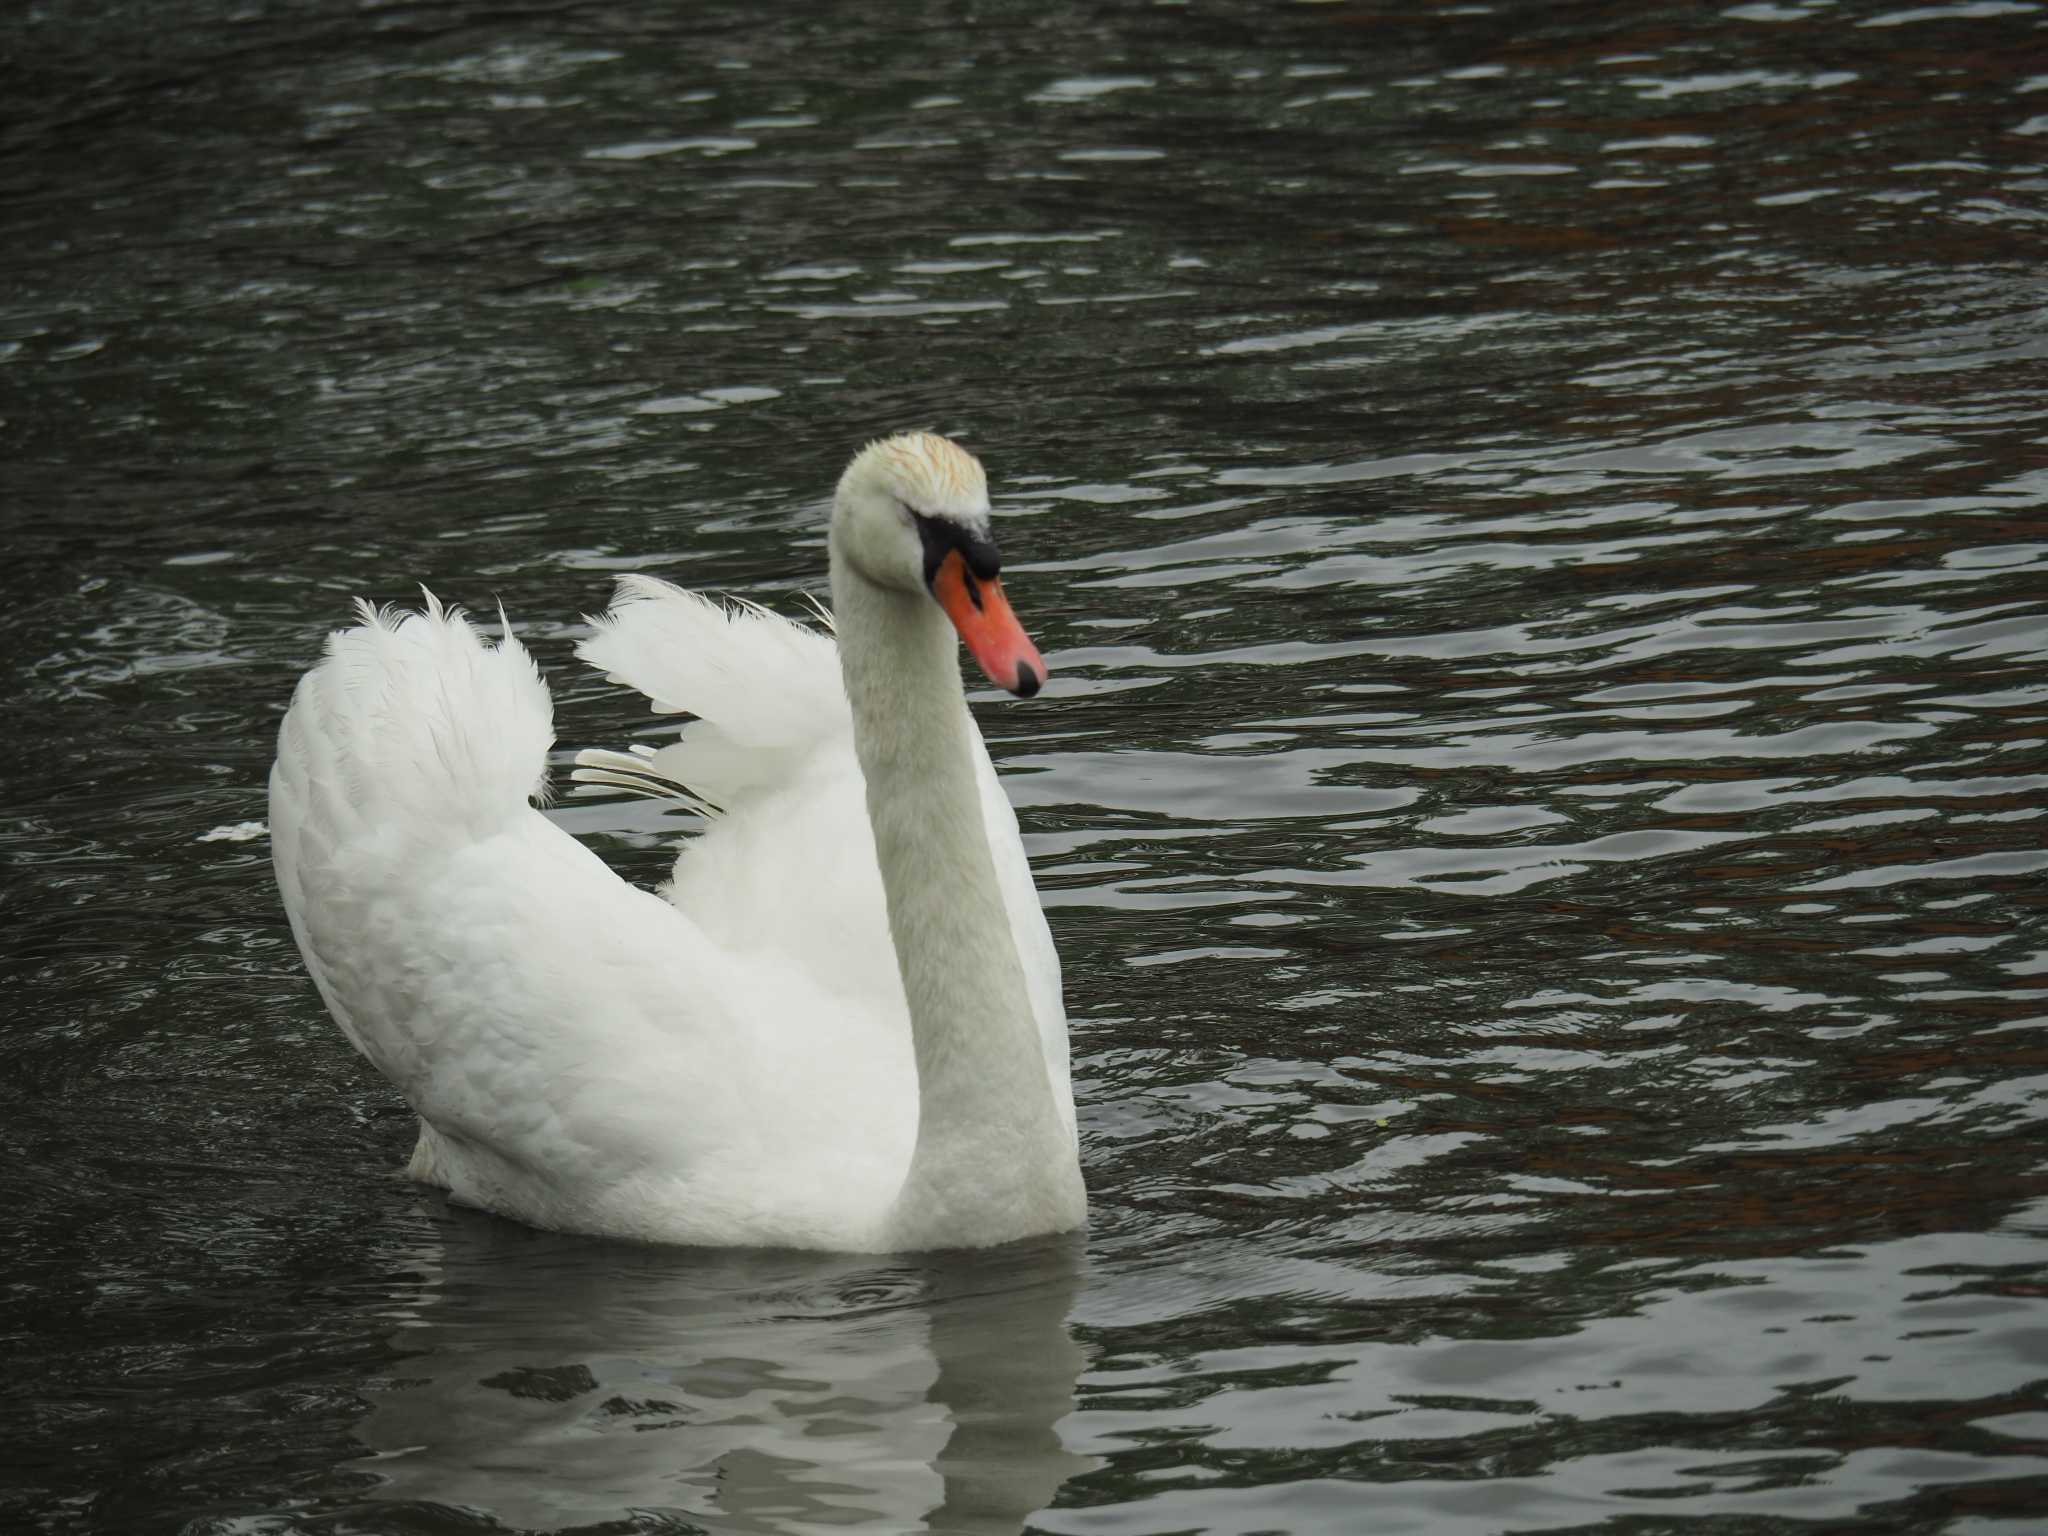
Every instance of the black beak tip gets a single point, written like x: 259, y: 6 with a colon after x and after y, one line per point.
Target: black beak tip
x: 1027, y: 682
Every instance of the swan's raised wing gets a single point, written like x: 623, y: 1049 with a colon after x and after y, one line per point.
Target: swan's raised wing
x: 783, y: 868
x: 765, y: 692
x: 410, y: 740
x: 476, y: 954
x: 584, y: 1054
x: 788, y: 869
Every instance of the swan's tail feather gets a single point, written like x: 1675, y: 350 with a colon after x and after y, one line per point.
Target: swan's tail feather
x: 765, y: 691
x: 412, y: 725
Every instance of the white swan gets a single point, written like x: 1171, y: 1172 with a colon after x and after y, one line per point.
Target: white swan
x: 840, y: 1027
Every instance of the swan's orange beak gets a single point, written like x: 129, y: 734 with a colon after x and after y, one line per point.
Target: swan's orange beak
x: 990, y: 630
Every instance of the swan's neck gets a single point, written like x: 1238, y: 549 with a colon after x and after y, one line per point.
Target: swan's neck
x: 993, y: 1158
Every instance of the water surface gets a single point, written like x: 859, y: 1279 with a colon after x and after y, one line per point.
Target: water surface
x: 1537, y: 517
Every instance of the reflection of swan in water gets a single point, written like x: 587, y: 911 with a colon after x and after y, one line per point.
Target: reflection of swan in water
x: 550, y: 1382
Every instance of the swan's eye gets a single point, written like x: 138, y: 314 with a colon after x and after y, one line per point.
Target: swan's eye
x: 942, y: 537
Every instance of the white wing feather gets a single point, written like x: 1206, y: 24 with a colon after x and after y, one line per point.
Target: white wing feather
x: 774, y: 738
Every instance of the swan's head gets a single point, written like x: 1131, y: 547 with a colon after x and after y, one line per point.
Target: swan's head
x: 912, y: 515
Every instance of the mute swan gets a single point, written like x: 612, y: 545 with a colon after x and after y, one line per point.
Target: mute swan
x: 839, y: 1027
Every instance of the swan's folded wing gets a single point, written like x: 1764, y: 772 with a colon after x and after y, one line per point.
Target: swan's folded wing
x: 765, y: 690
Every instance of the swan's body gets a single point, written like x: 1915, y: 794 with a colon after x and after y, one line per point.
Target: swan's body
x: 839, y: 1027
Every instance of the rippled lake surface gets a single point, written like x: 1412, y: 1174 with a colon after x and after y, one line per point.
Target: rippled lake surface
x: 1539, y: 517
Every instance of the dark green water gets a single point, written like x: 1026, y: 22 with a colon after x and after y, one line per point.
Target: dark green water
x: 1539, y: 517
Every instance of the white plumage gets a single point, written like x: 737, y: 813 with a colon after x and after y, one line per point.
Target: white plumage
x: 803, y: 1041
